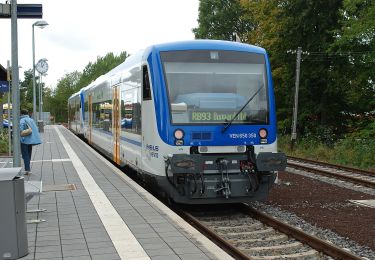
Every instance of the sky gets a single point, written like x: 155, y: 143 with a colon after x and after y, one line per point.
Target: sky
x: 79, y: 31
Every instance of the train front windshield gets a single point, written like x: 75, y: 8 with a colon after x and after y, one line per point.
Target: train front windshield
x: 211, y: 87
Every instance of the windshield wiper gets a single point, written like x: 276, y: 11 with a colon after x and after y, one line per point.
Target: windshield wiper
x: 229, y: 123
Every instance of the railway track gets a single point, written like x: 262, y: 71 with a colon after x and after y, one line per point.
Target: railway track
x: 357, y: 176
x: 246, y: 233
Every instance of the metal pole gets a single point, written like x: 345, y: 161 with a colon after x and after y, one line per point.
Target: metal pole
x: 34, y: 88
x: 9, y: 131
x: 40, y: 98
x: 295, y: 107
x: 9, y: 138
x: 15, y: 88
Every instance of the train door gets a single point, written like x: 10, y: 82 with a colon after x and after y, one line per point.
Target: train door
x: 149, y: 146
x: 130, y: 106
x: 76, y: 114
x: 116, y: 130
x: 69, y: 115
x: 89, y: 136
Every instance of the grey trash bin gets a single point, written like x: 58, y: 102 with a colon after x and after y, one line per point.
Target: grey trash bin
x: 41, y: 126
x: 13, y: 230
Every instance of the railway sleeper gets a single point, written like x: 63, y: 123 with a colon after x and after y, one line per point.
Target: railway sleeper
x: 259, y: 241
x: 287, y: 248
x: 255, y: 226
x: 233, y: 221
x: 252, y: 234
x: 311, y: 254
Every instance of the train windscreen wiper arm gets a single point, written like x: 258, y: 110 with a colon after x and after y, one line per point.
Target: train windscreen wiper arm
x: 229, y: 123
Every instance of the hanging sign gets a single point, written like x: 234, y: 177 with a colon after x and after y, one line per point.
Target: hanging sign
x: 4, y: 86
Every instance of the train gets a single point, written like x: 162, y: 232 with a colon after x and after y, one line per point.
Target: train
x: 194, y: 120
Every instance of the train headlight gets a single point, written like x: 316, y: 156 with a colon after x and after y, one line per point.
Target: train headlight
x: 263, y: 136
x: 179, y: 134
x: 263, y: 133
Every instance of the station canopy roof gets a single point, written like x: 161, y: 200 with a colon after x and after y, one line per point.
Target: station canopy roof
x: 3, y: 73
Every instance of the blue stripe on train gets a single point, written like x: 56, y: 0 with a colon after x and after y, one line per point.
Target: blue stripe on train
x: 128, y: 140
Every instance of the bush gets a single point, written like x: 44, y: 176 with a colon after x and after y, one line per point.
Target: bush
x: 355, y: 152
x: 4, y: 141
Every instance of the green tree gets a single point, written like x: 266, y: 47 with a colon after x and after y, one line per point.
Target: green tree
x: 59, y: 101
x: 271, y: 20
x: 282, y: 26
x: 220, y: 19
x: 47, y: 97
x: 26, y: 91
x: 355, y: 44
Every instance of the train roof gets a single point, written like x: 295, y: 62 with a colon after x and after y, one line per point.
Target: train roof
x: 207, y: 44
x: 74, y: 95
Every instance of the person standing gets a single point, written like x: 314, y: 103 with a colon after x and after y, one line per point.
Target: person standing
x: 29, y: 137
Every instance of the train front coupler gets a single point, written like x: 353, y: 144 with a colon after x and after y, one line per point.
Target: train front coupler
x: 224, y: 186
x: 213, y: 176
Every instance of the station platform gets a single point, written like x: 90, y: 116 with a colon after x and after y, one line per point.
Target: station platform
x: 95, y: 211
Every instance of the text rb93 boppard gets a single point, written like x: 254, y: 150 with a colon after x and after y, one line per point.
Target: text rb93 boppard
x: 195, y: 119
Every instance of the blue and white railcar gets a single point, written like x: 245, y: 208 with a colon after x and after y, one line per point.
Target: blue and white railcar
x: 74, y: 111
x: 196, y: 119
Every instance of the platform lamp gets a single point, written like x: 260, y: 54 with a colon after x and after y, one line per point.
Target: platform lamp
x: 41, y: 24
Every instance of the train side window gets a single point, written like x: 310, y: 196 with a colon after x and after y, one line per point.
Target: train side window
x: 86, y: 111
x: 131, y: 111
x: 96, y: 115
x: 146, y: 84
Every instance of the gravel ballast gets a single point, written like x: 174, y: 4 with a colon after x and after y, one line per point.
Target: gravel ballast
x: 324, y: 209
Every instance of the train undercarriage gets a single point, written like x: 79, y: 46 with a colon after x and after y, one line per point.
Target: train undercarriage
x: 220, y: 178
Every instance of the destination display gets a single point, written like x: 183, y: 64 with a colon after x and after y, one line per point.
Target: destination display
x: 216, y: 116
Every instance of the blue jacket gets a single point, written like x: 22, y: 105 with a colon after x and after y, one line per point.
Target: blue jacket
x: 34, y: 138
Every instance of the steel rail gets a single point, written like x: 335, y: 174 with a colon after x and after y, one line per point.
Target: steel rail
x: 315, y: 242
x: 366, y: 183
x: 336, y: 166
x: 213, y: 236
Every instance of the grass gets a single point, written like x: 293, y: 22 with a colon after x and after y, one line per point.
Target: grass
x: 352, y: 152
x: 4, y: 143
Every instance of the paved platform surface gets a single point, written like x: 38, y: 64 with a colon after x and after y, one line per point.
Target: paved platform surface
x: 94, y: 211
